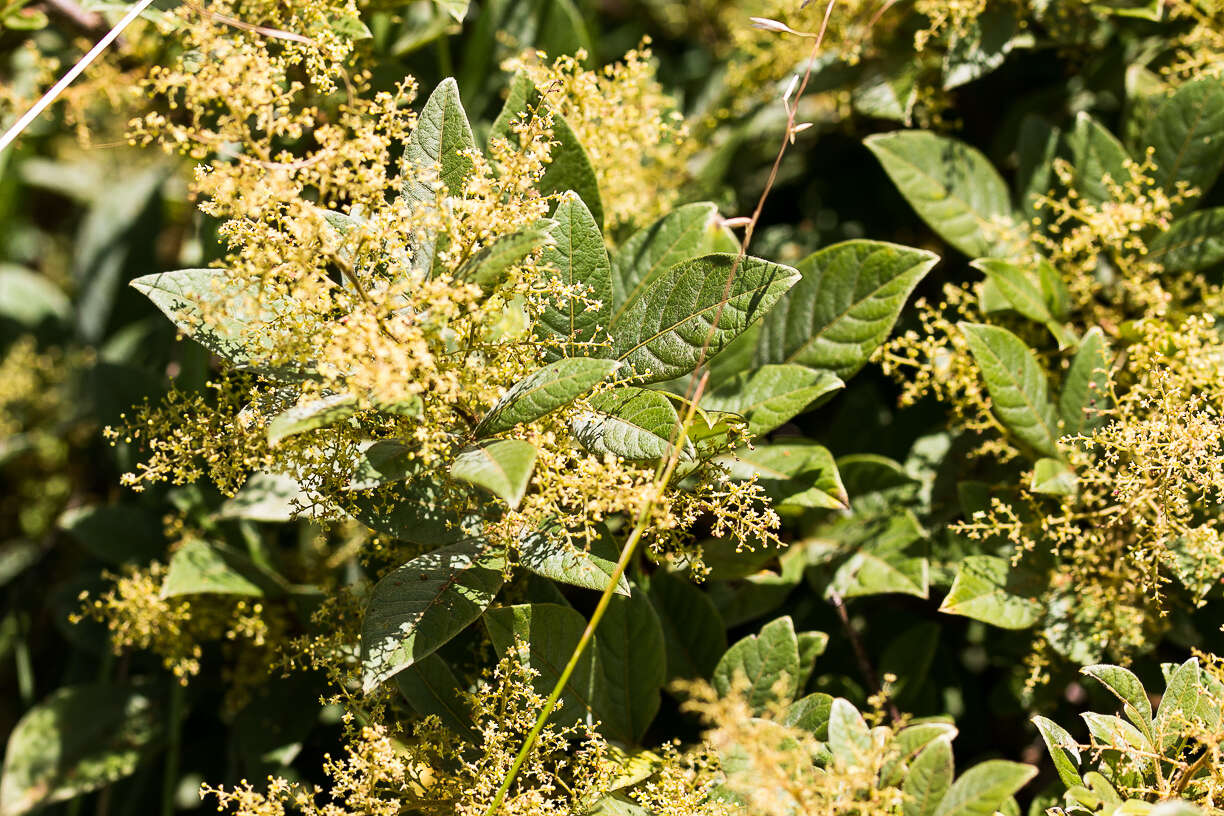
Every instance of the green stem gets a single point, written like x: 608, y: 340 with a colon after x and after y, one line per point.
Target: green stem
x: 639, y: 528
x: 174, y: 735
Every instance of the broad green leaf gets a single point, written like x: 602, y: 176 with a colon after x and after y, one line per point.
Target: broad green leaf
x: 849, y: 736
x: 843, y: 307
x: 1037, y: 149
x: 1086, y: 387
x: 812, y: 644
x: 760, y: 593
x: 423, y: 604
x: 201, y: 568
x: 981, y: 47
x: 929, y: 778
x: 634, y: 423
x: 577, y: 256
x: 553, y: 386
x: 695, y: 637
x: 985, y: 589
x: 79, y: 739
x: 1016, y: 384
x: 439, y: 150
x: 1187, y: 132
x: 893, y: 562
x: 799, y: 473
x: 569, y: 167
x: 1179, y: 705
x: 632, y: 661
x: 488, y: 267
x: 1053, y: 477
x: 693, y: 310
x: 1124, y: 685
x: 984, y: 788
x: 954, y: 188
x: 1063, y: 750
x: 543, y: 637
x: 1096, y: 154
x: 1192, y: 243
x: 266, y: 497
x: 684, y: 233
x: 771, y: 395
x: 310, y: 415
x: 591, y: 568
x: 386, y: 460
x: 1116, y: 732
x: 1024, y: 295
x: 430, y: 687
x: 811, y: 713
x: 416, y: 510
x: 764, y: 667
x: 182, y: 296
x: 30, y: 299
x: 502, y: 466
x: 888, y: 89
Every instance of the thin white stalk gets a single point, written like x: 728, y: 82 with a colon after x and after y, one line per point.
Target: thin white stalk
x: 70, y: 77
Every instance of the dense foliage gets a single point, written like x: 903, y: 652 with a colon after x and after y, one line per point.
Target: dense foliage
x: 632, y: 408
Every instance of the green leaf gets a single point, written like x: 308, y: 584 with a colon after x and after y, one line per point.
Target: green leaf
x: 887, y: 563
x: 954, y: 189
x: 417, y: 510
x: 311, y: 415
x: 266, y: 497
x: 430, y: 687
x: 694, y: 309
x: 79, y: 739
x: 983, y: 788
x: 592, y: 568
x: 682, y: 234
x: 423, y: 604
x: 488, y: 267
x: 1124, y: 685
x: 812, y: 645
x: 201, y: 568
x: 553, y: 386
x: 844, y: 306
x: 1085, y: 390
x: 810, y: 713
x: 986, y: 589
x: 1095, y: 154
x: 439, y: 150
x: 849, y: 736
x: 502, y: 466
x: 634, y: 423
x: 632, y: 662
x: 929, y: 778
x: 1063, y: 750
x: 386, y: 460
x: 982, y: 47
x: 1024, y: 295
x: 1179, y: 705
x: 695, y: 637
x: 772, y: 395
x: 544, y: 636
x: 799, y: 473
x: 1187, y: 133
x: 1052, y: 477
x: 30, y: 299
x: 569, y: 167
x: 1193, y: 242
x: 579, y: 259
x: 1037, y: 149
x: 116, y: 533
x: 182, y: 295
x: 767, y: 662
x: 1016, y: 384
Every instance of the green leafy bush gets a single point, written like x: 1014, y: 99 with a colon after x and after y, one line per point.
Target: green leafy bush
x: 627, y: 409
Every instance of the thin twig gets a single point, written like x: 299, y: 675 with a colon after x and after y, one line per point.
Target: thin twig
x: 860, y: 654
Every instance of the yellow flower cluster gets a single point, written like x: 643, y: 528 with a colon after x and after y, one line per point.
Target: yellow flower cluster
x: 637, y: 140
